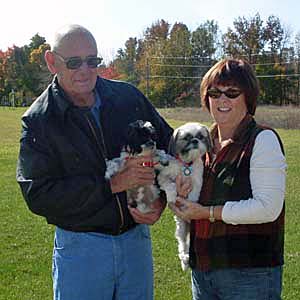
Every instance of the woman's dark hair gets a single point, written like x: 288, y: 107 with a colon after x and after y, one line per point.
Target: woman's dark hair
x: 234, y: 72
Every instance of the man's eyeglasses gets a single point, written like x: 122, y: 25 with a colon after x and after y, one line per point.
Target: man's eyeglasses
x: 231, y: 93
x: 75, y: 62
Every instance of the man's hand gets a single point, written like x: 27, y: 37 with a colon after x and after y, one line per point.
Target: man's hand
x: 136, y: 172
x: 148, y: 218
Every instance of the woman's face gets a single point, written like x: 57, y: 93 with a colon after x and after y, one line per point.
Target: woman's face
x: 227, y: 110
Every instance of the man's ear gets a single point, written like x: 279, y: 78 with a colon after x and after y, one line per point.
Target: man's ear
x: 50, y: 61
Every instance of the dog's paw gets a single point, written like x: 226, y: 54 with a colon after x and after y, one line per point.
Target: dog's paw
x: 184, y: 260
x: 170, y: 190
x: 114, y: 166
x: 184, y: 266
x: 171, y: 196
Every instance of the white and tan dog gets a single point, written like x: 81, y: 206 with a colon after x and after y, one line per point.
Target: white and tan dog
x: 188, y: 145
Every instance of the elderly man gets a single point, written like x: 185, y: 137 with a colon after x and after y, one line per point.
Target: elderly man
x: 102, y: 248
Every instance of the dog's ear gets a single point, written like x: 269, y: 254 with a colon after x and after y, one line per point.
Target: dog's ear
x: 172, y: 143
x: 150, y: 131
x: 208, y: 140
x: 132, y: 137
x: 132, y: 133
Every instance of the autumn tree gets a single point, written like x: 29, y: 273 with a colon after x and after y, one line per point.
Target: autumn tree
x: 204, y: 43
x: 274, y: 35
x: 297, y: 62
x: 125, y: 61
x: 176, y: 65
x: 38, y: 69
x: 12, y: 66
x: 3, y: 71
x: 247, y: 39
x: 204, y: 40
x: 276, y: 62
x: 297, y: 45
x: 23, y: 69
x: 150, y: 49
x: 168, y: 62
x: 36, y: 42
x: 109, y: 72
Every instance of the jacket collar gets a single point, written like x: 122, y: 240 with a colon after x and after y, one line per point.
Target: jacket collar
x: 64, y: 103
x: 106, y: 93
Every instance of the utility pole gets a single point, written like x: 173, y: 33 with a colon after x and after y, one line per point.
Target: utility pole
x: 147, y: 77
x: 13, y: 103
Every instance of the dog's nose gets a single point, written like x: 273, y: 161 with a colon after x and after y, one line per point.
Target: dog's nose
x: 195, y: 141
x: 150, y: 144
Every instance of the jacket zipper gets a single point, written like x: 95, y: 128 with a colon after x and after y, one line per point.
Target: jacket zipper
x: 103, y: 152
x: 121, y: 212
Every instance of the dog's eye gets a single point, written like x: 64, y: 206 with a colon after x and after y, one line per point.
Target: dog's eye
x: 199, y: 136
x: 188, y: 137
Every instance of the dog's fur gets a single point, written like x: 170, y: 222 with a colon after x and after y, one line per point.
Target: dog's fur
x: 141, y: 140
x: 187, y: 146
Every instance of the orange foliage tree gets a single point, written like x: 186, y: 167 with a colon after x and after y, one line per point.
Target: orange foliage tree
x: 109, y: 72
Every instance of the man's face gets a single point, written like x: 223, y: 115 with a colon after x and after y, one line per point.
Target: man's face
x: 76, y: 82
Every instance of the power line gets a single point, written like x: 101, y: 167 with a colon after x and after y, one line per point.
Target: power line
x: 277, y: 63
x: 279, y: 75
x: 180, y: 57
x: 182, y: 66
x: 209, y: 57
x: 207, y: 66
x: 199, y: 77
x: 178, y: 77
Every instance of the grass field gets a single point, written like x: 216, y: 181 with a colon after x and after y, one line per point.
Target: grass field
x: 26, y: 239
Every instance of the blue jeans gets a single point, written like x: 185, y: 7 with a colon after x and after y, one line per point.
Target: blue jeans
x: 237, y: 284
x: 95, y: 266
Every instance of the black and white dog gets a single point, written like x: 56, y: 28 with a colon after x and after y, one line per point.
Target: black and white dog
x: 187, y: 146
x: 141, y: 140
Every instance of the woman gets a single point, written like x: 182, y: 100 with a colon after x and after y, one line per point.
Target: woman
x: 237, y: 228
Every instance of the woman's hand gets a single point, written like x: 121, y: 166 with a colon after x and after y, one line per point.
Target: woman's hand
x: 187, y: 210
x: 183, y: 186
x: 182, y: 208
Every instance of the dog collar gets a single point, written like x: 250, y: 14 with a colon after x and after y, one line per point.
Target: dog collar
x: 149, y: 164
x: 146, y: 163
x: 187, y: 168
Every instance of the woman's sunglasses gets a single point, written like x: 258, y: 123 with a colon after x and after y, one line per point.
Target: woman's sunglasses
x: 230, y: 93
x: 75, y: 62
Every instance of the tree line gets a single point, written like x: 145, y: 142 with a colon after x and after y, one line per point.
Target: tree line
x: 168, y: 61
x: 23, y: 72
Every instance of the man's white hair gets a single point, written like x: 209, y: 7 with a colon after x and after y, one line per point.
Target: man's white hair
x: 68, y: 32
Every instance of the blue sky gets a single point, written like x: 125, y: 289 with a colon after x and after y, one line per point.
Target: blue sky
x: 113, y: 21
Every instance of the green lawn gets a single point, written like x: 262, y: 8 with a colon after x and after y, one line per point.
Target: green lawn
x: 26, y: 239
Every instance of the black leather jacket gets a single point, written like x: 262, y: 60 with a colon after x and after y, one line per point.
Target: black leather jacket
x: 61, y: 162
